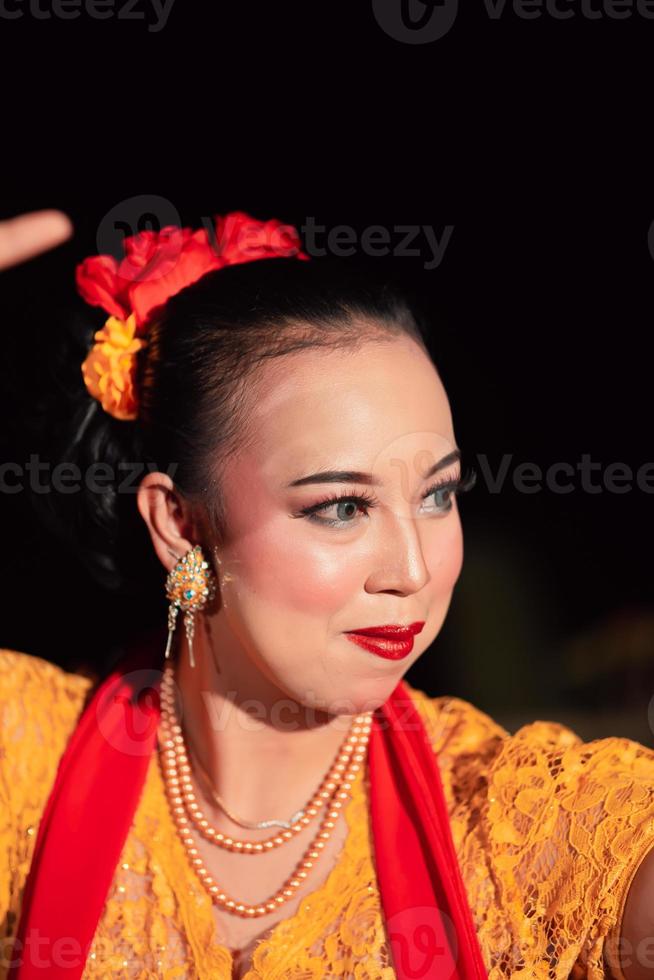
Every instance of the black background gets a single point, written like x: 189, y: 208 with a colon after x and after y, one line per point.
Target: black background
x: 532, y: 138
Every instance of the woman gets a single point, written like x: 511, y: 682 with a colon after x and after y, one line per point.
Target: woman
x: 301, y: 494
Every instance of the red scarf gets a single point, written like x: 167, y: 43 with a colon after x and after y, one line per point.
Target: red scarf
x: 98, y: 786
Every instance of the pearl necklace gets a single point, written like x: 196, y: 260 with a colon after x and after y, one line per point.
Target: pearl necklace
x: 335, y: 790
x: 331, y: 783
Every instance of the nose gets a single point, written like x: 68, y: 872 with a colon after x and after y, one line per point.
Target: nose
x: 399, y: 564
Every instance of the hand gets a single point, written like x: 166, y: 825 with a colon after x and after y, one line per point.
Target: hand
x: 27, y: 235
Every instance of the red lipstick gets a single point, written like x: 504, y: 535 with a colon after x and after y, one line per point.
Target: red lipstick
x: 392, y: 642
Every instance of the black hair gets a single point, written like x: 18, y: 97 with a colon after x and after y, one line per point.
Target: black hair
x: 196, y: 381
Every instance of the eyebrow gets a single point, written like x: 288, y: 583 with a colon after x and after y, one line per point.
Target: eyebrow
x: 355, y: 476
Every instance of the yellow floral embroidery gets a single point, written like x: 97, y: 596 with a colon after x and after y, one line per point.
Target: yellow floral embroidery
x: 548, y: 830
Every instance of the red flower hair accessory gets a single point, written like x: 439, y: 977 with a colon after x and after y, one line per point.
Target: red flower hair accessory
x: 157, y: 265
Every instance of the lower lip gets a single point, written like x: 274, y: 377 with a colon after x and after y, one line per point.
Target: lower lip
x: 390, y: 649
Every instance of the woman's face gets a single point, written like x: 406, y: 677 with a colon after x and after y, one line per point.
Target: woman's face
x: 292, y: 585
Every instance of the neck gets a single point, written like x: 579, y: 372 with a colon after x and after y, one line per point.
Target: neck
x: 264, y: 753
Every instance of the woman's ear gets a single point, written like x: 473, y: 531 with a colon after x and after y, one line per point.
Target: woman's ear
x: 168, y: 517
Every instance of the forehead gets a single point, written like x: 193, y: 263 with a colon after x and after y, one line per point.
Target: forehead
x: 355, y: 406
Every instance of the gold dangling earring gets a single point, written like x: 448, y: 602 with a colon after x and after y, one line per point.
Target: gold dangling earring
x: 189, y: 585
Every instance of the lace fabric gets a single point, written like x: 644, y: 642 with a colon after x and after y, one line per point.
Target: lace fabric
x: 548, y: 830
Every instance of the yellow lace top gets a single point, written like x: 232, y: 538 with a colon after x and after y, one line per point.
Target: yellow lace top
x: 549, y: 831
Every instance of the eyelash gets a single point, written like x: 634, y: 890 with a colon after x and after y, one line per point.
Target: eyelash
x: 455, y: 486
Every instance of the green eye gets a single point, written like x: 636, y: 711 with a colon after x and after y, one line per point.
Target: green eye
x: 452, y: 486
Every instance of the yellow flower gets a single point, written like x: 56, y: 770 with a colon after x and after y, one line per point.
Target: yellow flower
x: 109, y: 368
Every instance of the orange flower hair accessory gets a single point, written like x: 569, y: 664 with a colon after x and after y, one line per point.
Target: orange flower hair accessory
x: 158, y: 265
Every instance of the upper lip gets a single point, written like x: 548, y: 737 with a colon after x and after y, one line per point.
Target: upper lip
x: 392, y: 630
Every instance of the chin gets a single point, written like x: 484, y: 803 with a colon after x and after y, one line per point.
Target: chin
x: 366, y: 694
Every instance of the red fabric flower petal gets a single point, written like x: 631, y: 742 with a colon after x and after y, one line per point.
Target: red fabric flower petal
x: 97, y: 282
x: 179, y: 261
x: 241, y: 238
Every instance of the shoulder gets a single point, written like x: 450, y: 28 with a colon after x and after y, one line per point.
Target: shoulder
x: 614, y: 771
x: 15, y: 664
x: 567, y: 829
x: 39, y: 706
x: 583, y: 814
x: 30, y: 684
x: 454, y: 725
x: 466, y: 741
x: 602, y: 789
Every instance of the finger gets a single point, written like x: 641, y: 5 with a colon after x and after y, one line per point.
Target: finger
x: 29, y: 234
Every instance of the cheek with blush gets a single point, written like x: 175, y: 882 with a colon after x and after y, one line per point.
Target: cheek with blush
x: 296, y: 573
x: 276, y: 560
